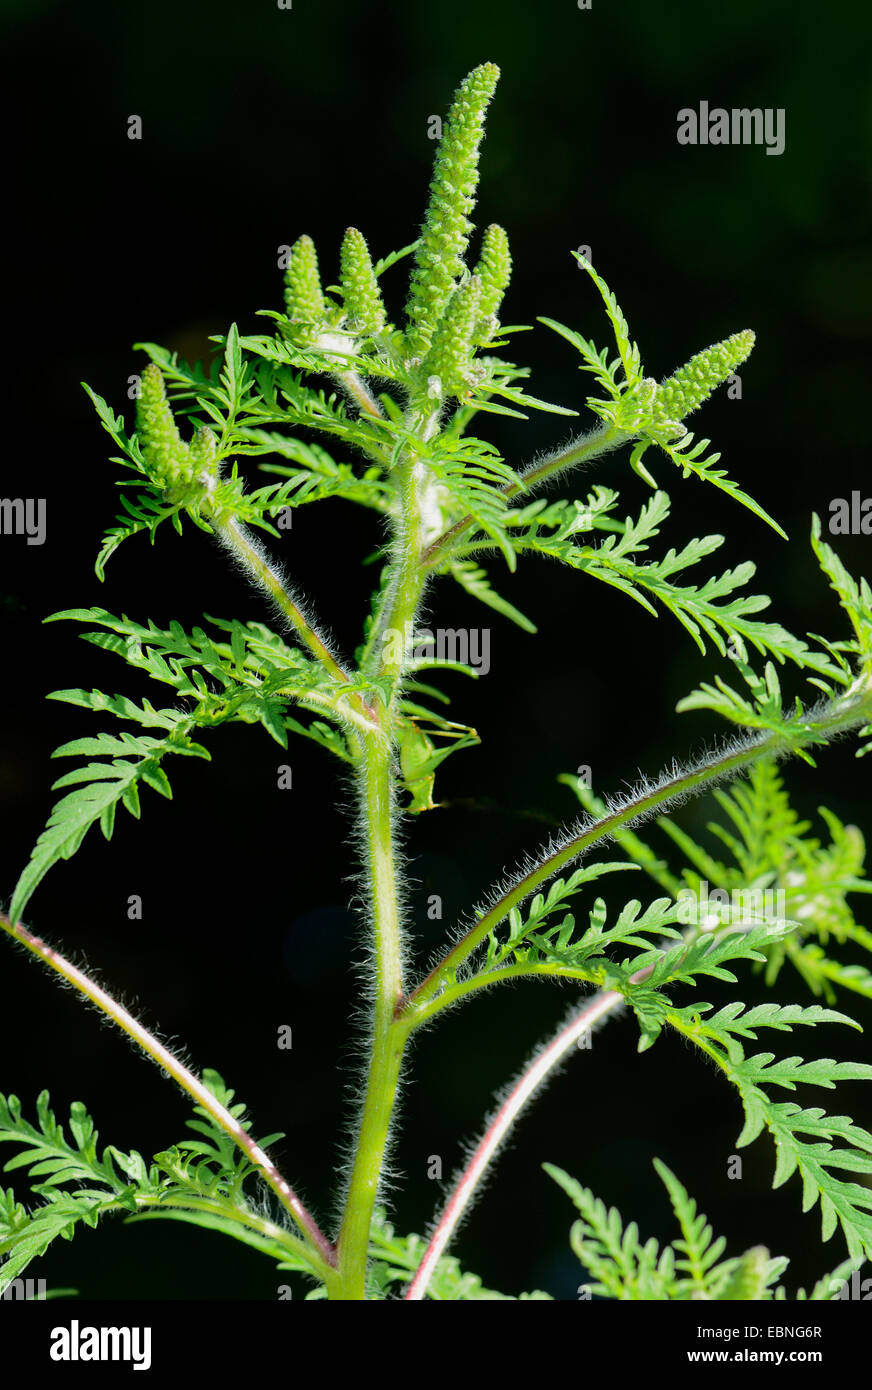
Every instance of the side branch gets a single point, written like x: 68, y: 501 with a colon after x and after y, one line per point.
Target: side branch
x: 521, y: 1092
x: 239, y: 542
x: 583, y: 449
x: 353, y: 383
x: 833, y: 718
x: 320, y: 1250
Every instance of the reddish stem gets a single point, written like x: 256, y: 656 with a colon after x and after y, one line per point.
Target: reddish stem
x: 170, y: 1064
x: 522, y: 1091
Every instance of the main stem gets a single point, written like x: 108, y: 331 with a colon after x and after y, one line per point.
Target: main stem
x: 388, y: 1041
x: 375, y: 766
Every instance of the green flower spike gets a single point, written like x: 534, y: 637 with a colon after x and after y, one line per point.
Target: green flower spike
x: 164, y: 452
x: 494, y: 269
x: 693, y: 383
x: 445, y: 234
x: 303, y: 297
x: 363, y: 301
x: 203, y: 453
x: 450, y: 357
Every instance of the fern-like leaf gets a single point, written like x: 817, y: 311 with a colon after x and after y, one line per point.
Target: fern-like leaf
x: 107, y: 784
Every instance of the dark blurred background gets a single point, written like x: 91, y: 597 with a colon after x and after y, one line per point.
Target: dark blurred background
x: 261, y: 123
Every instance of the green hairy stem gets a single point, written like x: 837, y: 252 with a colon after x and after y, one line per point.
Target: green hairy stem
x: 386, y: 1044
x: 348, y: 395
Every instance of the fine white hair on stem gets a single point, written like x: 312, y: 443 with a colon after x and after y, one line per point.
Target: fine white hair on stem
x: 358, y: 1047
x: 554, y: 463
x: 542, y: 1066
x: 272, y: 580
x: 171, y: 1063
x: 644, y: 789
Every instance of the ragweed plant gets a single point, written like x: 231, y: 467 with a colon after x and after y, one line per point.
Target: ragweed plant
x: 336, y: 399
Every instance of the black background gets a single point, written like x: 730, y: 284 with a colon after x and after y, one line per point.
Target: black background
x: 259, y: 124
